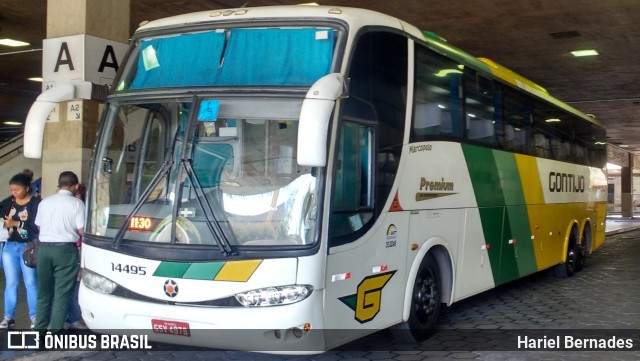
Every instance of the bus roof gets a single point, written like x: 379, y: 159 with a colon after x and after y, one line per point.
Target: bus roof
x: 353, y: 16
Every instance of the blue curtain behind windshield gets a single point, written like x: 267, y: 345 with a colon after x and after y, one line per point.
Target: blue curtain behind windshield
x: 185, y: 60
x: 253, y: 57
x: 276, y: 57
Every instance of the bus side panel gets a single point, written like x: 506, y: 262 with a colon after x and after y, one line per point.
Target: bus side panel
x: 572, y: 193
x: 599, y: 229
x: 437, y: 187
x: 473, y: 269
x: 365, y: 281
x: 444, y: 228
x: 505, y: 220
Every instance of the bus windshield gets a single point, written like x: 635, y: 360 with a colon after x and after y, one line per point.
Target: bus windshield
x: 203, y: 171
x: 231, y: 57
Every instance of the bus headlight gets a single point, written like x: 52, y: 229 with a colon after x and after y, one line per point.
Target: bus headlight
x: 97, y: 282
x: 274, y: 296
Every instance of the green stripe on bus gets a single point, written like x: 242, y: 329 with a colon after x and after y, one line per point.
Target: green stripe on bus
x: 517, y: 214
x: 171, y: 269
x: 503, y: 212
x: 486, y: 186
x: 203, y: 271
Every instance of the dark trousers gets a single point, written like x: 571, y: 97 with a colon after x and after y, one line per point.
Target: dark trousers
x: 58, y: 267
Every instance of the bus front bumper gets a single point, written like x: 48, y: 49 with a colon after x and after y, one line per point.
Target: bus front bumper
x: 295, y: 328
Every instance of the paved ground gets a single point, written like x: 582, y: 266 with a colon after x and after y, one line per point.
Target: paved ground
x: 602, y: 301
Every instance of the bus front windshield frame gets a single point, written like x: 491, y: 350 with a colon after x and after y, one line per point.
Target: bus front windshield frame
x: 210, y: 172
x: 274, y: 56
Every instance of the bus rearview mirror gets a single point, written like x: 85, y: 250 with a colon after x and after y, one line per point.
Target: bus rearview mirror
x: 315, y: 116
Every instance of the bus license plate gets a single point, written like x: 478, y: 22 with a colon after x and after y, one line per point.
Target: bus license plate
x: 171, y: 327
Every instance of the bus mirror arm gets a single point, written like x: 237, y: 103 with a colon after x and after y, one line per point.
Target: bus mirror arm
x: 314, y: 119
x: 44, y: 104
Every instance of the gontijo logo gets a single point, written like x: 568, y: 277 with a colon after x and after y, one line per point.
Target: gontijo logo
x: 566, y: 182
x: 367, y: 301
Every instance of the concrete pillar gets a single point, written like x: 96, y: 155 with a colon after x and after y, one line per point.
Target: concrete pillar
x: 626, y: 188
x: 68, y: 142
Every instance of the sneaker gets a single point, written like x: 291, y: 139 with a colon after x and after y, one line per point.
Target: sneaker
x: 7, y: 323
x: 78, y: 325
x: 33, y: 322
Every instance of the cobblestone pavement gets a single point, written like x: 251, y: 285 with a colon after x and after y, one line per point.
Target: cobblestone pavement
x: 601, y: 301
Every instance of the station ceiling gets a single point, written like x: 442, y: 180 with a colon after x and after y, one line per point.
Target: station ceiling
x: 531, y: 37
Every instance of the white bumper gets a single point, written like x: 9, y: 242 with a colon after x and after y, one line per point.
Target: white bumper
x: 269, y: 329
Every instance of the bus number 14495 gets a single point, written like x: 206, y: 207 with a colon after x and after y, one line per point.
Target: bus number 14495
x: 131, y: 269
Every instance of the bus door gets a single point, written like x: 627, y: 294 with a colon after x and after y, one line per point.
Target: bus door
x: 365, y: 276
x: 367, y: 243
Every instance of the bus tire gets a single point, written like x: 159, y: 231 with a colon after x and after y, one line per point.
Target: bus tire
x: 581, y: 256
x: 568, y: 268
x: 582, y: 247
x: 425, y: 303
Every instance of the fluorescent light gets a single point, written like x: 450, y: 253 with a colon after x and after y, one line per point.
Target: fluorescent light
x: 624, y: 146
x: 37, y: 78
x: 13, y: 43
x: 552, y: 120
x: 590, y: 52
x: 12, y: 122
x: 613, y: 166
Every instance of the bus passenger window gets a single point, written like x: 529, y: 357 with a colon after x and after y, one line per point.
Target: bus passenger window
x: 437, y: 110
x: 427, y: 119
x: 518, y: 134
x: 543, y: 149
x: 480, y: 108
x: 480, y: 129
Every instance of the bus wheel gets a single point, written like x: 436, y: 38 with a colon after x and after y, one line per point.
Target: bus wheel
x: 567, y: 269
x: 425, y: 303
x: 582, y: 256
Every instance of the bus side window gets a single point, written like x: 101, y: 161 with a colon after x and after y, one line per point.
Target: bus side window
x: 437, y: 110
x: 480, y: 108
x: 518, y: 135
x: 427, y: 119
x: 543, y: 149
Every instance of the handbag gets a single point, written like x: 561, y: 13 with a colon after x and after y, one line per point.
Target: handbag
x: 30, y: 253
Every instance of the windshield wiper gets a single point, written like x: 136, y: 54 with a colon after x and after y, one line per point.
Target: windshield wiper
x: 209, y: 213
x: 166, y: 167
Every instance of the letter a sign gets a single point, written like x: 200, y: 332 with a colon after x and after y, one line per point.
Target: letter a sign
x: 80, y: 58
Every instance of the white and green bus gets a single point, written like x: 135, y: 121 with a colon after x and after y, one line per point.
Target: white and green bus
x: 313, y: 174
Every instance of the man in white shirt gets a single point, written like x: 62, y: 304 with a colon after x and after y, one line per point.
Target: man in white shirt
x: 61, y: 221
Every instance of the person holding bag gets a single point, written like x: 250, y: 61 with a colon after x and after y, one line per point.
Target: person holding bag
x: 22, y: 229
